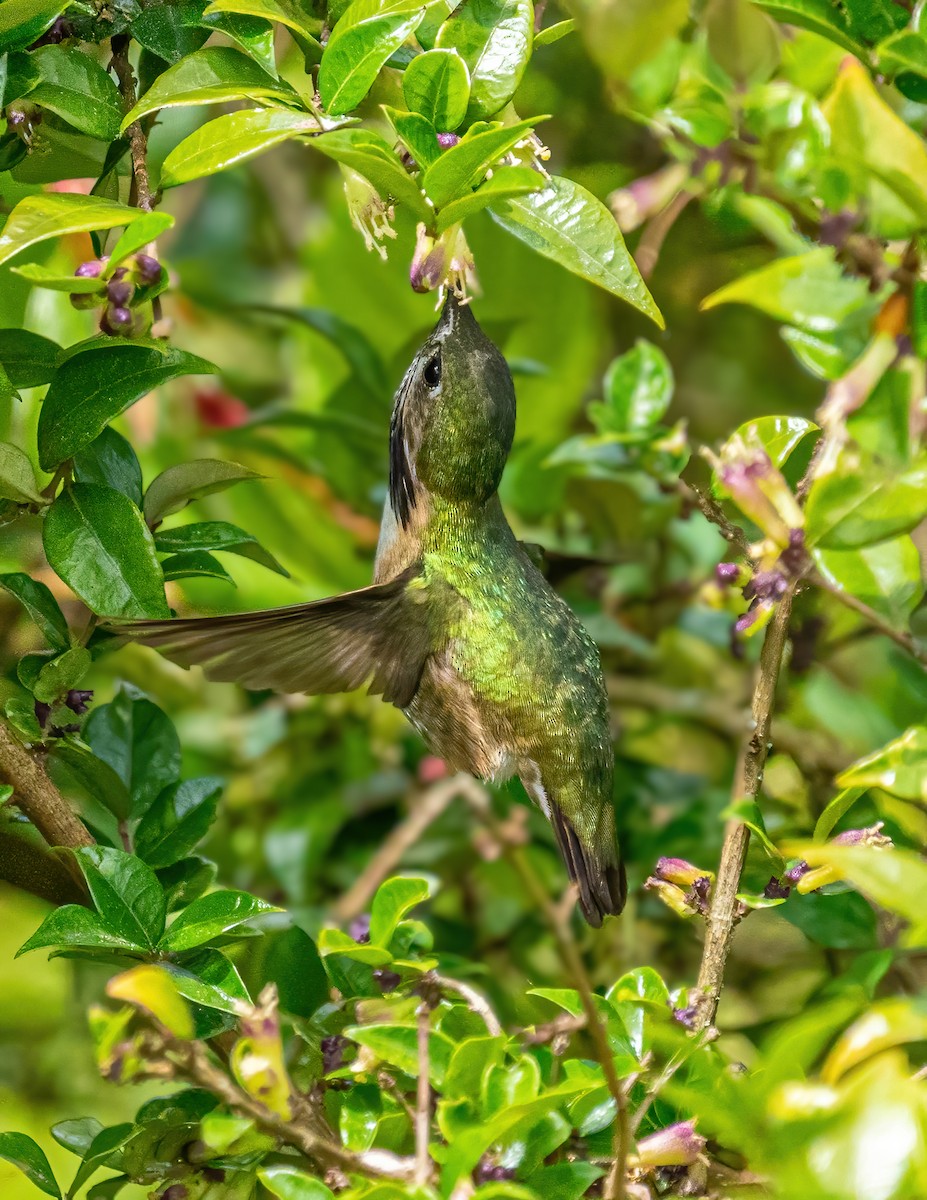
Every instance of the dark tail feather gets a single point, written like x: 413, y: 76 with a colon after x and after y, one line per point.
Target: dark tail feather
x: 603, y: 886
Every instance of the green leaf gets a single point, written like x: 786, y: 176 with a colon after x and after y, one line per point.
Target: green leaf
x: 289, y: 1183
x: 899, y: 768
x: 359, y: 352
x: 28, y: 358
x: 214, y: 75
x: 886, y: 576
x: 17, y: 476
x: 110, y: 460
x: 216, y: 535
x: 808, y: 290
x: 356, y: 51
x: 860, y: 502
x: 77, y: 90
x: 459, y: 169
x: 371, y: 155
x: 23, y: 22
x: 61, y: 674
x: 126, y: 893
x: 437, y: 85
x: 336, y: 941
x: 820, y: 16
x: 41, y: 606
x: 177, y: 820
x: 208, y: 978
x: 564, y: 1180
x: 195, y: 564
x: 186, y: 880
x: 54, y: 281
x: 176, y: 487
x: 417, y: 133
x: 93, y: 777
x: 292, y: 13
x: 101, y: 1150
x: 493, y: 37
x: 139, y: 742
x: 91, y: 388
x: 638, y: 391
x: 23, y: 1152
x: 74, y: 925
x: 254, y: 35
x: 398, y: 1045
x: 54, y: 214
x: 232, y: 139
x: 293, y: 962
x: 146, y: 228
x: 505, y: 182
x: 395, y: 897
x: 171, y: 31
x: 76, y: 1134
x: 837, y: 808
x: 359, y: 1117
x: 97, y: 541
x: 568, y: 224
x: 553, y: 33
x: 210, y: 917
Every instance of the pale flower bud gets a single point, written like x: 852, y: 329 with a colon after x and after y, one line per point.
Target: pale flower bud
x: 675, y: 1146
x: 632, y: 205
x: 369, y: 215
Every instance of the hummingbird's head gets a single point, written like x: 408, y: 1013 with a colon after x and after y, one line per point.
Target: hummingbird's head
x: 454, y: 416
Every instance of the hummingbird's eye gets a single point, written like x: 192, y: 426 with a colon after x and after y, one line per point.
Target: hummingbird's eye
x: 432, y: 372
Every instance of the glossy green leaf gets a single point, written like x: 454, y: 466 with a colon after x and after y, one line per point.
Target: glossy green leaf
x: 336, y: 941
x: 292, y: 13
x: 359, y: 1116
x: 899, y: 767
x: 398, y: 1045
x: 437, y: 85
x: 254, y: 34
x: 77, y: 89
x: 808, y: 290
x: 144, y: 229
x: 53, y: 214
x: 290, y: 1183
x: 836, y: 809
x: 356, y: 51
x: 177, y: 820
x: 820, y: 16
x: 47, y: 277
x: 638, y: 390
x: 216, y: 535
x: 186, y: 880
x: 493, y: 37
x: 125, y: 892
x: 23, y: 22
x: 41, y: 606
x: 94, y: 779
x: 504, y: 183
x: 417, y: 134
x: 371, y: 155
x: 61, y: 674
x: 97, y: 541
x: 395, y: 897
x: 177, y: 486
x: 110, y: 460
x: 74, y: 925
x: 23, y: 1152
x: 216, y: 74
x: 28, y: 358
x: 553, y: 33
x: 232, y: 139
x: 100, y: 1153
x: 209, y: 978
x: 91, y: 388
x: 76, y: 1134
x: 17, y: 476
x: 885, y: 576
x: 210, y: 917
x: 139, y: 742
x: 459, y: 169
x: 194, y: 564
x: 568, y: 224
x: 859, y: 502
x: 170, y: 31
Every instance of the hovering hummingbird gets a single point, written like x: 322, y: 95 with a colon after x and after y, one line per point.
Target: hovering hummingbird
x: 460, y: 630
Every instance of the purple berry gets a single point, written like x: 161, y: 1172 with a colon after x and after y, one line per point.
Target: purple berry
x: 727, y: 572
x: 147, y: 269
x: 119, y: 292
x: 78, y: 700
x: 446, y: 140
x: 387, y: 981
x: 90, y: 270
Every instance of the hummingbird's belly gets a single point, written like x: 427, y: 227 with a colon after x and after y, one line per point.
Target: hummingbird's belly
x: 457, y: 728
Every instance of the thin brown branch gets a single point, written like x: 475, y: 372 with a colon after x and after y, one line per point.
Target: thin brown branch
x: 475, y: 1002
x: 656, y: 230
x: 747, y: 781
x: 426, y: 809
x: 36, y: 796
x: 712, y: 511
x: 141, y: 194
x: 615, y: 1184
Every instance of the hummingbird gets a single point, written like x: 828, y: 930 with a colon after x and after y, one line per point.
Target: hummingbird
x: 459, y: 629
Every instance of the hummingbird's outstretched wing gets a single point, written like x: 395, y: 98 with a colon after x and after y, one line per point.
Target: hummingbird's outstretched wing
x: 380, y: 633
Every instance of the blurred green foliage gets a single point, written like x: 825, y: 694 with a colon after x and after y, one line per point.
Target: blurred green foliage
x: 766, y: 162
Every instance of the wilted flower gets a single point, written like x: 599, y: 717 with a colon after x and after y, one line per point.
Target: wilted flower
x: 681, y: 872
x: 818, y: 877
x: 757, y: 487
x: 686, y: 1016
x: 370, y: 216
x: 672, y: 896
x: 675, y: 1146
x: 444, y: 261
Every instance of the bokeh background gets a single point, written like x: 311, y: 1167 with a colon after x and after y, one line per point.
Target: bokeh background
x: 315, y: 785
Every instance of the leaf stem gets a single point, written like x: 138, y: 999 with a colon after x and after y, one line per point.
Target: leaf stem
x: 747, y: 782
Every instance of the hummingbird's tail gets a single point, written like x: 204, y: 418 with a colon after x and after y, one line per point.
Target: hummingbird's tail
x: 596, y: 870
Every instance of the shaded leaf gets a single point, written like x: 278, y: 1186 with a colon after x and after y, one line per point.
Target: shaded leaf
x: 177, y: 820
x: 110, y: 460
x: 885, y: 576
x: 77, y: 89
x: 28, y: 358
x: 138, y: 741
x: 17, y: 476
x: 41, y: 606
x: 28, y: 1155
x: 175, y: 487
x: 216, y: 535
